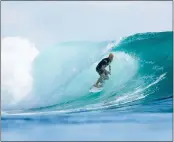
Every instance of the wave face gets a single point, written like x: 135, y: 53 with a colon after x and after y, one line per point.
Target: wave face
x: 141, y: 76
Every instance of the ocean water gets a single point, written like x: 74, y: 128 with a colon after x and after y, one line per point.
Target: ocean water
x: 135, y: 104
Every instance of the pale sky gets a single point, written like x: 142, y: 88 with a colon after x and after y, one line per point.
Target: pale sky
x: 46, y: 23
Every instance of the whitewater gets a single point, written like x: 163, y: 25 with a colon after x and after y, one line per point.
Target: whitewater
x: 45, y: 94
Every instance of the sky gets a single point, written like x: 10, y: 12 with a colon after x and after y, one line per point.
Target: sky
x: 46, y: 23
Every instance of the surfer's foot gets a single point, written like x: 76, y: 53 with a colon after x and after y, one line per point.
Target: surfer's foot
x: 100, y: 85
x: 97, y: 86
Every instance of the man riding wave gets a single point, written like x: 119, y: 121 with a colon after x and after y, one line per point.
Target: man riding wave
x: 102, y: 71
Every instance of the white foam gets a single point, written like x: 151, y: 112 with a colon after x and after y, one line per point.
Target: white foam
x: 17, y: 55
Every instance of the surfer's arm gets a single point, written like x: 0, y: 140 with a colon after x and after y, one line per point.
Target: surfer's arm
x: 110, y: 68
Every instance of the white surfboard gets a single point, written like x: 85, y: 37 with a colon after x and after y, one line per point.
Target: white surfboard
x: 94, y: 89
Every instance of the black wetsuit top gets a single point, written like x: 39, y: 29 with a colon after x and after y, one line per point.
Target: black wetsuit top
x: 105, y: 62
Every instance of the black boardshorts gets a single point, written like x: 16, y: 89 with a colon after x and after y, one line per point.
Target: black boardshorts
x: 100, y: 71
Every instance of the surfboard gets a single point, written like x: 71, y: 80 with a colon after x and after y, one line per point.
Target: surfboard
x: 94, y: 89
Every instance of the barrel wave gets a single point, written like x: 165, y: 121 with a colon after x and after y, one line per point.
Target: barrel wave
x: 141, y: 75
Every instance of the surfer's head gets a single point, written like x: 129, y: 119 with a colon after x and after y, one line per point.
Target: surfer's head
x: 111, y: 56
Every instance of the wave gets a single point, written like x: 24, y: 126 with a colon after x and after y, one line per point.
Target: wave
x: 142, y: 74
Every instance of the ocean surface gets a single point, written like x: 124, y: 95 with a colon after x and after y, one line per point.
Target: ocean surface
x: 135, y: 104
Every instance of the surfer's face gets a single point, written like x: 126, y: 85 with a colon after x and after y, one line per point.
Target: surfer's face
x: 111, y: 57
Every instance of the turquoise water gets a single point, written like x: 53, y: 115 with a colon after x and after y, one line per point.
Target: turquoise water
x: 136, y: 103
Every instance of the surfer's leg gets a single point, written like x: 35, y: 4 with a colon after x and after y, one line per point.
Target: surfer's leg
x: 98, y: 81
x: 105, y: 76
x: 101, y: 78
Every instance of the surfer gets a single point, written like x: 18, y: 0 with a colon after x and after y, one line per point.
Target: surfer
x: 102, y: 71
